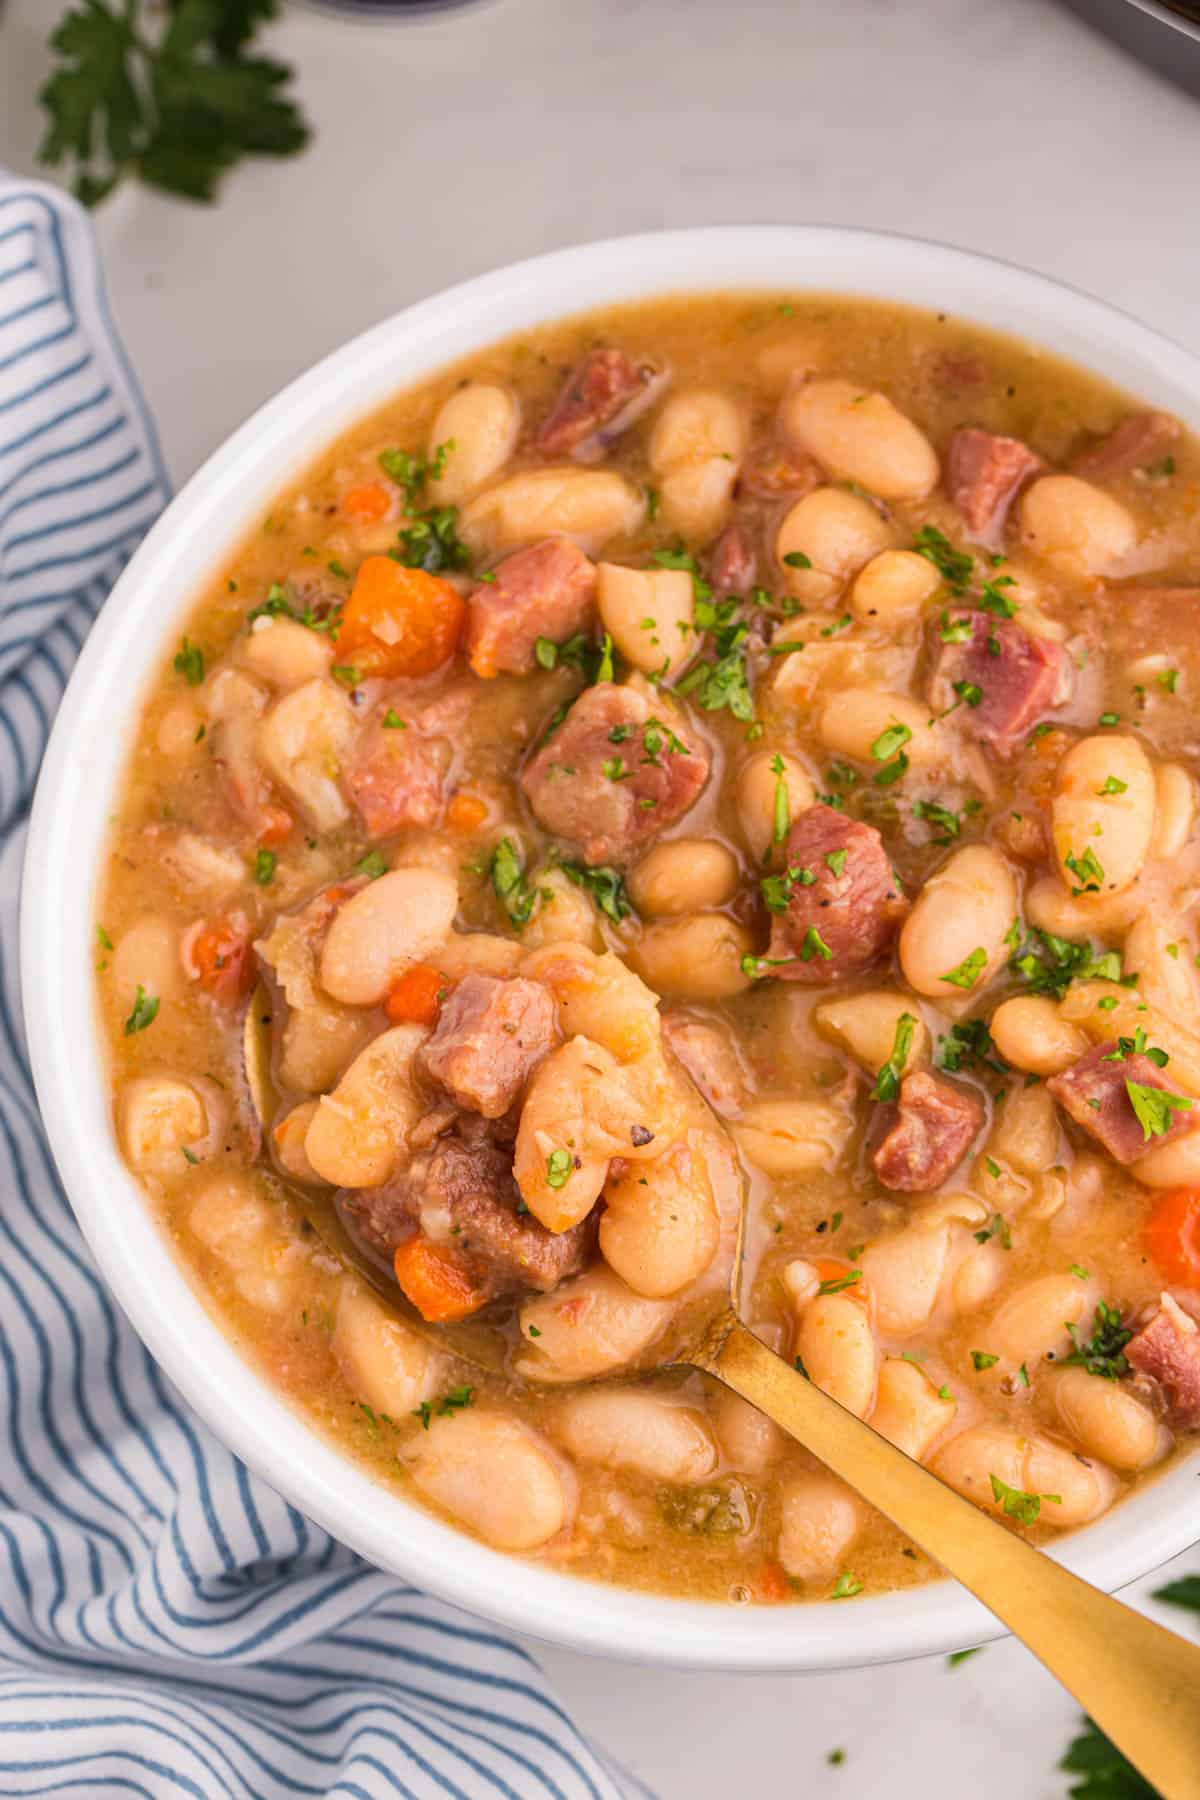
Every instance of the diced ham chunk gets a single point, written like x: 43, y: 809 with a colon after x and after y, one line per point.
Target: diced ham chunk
x: 710, y: 1058
x: 460, y: 1193
x: 544, y: 591
x: 1019, y: 678
x: 398, y: 774
x: 613, y: 774
x: 489, y: 1035
x: 732, y: 564
x: 1167, y: 1348
x: 933, y: 1127
x: 839, y: 923
x: 1093, y: 1092
x: 771, y: 471
x: 602, y: 396
x: 1138, y: 442
x: 984, y: 474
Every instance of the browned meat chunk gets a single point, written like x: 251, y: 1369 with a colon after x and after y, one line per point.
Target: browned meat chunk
x: 772, y: 471
x: 710, y: 1058
x: 461, y: 1193
x: 984, y: 474
x: 838, y: 922
x: 546, y: 591
x: 603, y: 394
x: 489, y: 1035
x: 613, y: 774
x: 1167, y: 1348
x: 1002, y: 678
x: 732, y: 564
x: 932, y: 1130
x: 1094, y: 1092
x: 396, y: 779
x: 1138, y: 442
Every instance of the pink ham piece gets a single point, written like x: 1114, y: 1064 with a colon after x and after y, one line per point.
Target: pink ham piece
x: 984, y: 474
x: 1093, y: 1092
x: 836, y: 924
x: 488, y: 1037
x: 396, y: 779
x: 613, y: 774
x: 933, y: 1127
x: 1138, y: 442
x: 603, y: 395
x: 1020, y: 678
x: 772, y: 471
x: 710, y: 1059
x: 732, y: 564
x: 545, y: 591
x: 1167, y: 1348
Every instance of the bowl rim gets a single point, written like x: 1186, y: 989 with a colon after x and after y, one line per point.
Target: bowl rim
x: 83, y: 764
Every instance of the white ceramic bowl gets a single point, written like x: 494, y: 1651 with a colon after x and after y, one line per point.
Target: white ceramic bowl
x: 75, y: 796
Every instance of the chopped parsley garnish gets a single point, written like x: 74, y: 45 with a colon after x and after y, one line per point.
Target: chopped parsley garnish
x: 432, y: 542
x: 545, y: 652
x: 606, y: 887
x: 1050, y: 964
x: 777, y: 889
x: 1138, y: 1045
x: 887, y: 1082
x: 1017, y: 1504
x: 814, y: 945
x: 992, y: 600
x: 836, y: 862
x: 724, y: 683
x: 954, y: 631
x: 1110, y: 718
x: 781, y: 811
x: 997, y: 1226
x: 969, y: 1043
x: 796, y: 559
x: 845, y: 1587
x: 372, y: 865
x: 968, y: 971
x: 265, y: 863
x: 1102, y: 1354
x: 931, y: 812
x: 613, y: 769
x: 954, y: 566
x: 838, y: 1284
x: 278, y: 606
x: 956, y: 1658
x: 1169, y: 679
x: 411, y: 473
x: 1154, y: 1107
x: 513, y: 891
x: 1087, y: 870
x: 969, y: 693
x: 559, y: 1164
x: 189, y: 662
x: 450, y: 1403
x: 983, y: 1359
x: 103, y: 939
x: 144, y: 1012
x: 1106, y: 1775
x: 1112, y: 786
x: 393, y: 722
x: 347, y: 675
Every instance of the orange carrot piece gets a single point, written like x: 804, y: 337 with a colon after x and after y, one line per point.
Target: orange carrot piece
x: 829, y: 1269
x: 398, y: 621
x: 220, y: 953
x: 416, y: 997
x: 433, y: 1278
x: 1173, y: 1236
x: 276, y: 826
x: 466, y: 812
x: 769, y: 1585
x: 365, y: 505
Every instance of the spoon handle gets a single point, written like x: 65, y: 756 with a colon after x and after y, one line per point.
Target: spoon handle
x: 1139, y: 1683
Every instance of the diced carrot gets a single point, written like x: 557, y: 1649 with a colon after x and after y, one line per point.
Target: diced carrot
x: 276, y: 826
x: 829, y: 1270
x: 436, y: 1282
x: 366, y: 504
x: 399, y: 621
x: 220, y: 954
x: 1173, y: 1236
x: 769, y: 1584
x: 416, y: 998
x: 466, y: 812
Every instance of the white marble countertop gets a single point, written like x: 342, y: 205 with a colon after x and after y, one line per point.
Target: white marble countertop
x: 445, y: 147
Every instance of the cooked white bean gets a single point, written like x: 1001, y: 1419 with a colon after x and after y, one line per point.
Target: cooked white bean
x: 158, y: 1118
x: 464, y: 951
x: 908, y: 1410
x: 819, y: 1519
x: 1175, y: 810
x: 1026, y: 1134
x: 494, y: 1475
x: 980, y: 1275
x: 199, y: 867
x: 1171, y: 1165
x: 564, y: 915
x: 694, y: 497
x: 1033, y: 1321
x: 1031, y: 1466
x: 320, y: 1041
x: 1051, y: 906
x: 959, y: 924
x: 693, y: 425
x: 855, y: 718
x: 660, y: 1228
x: 563, y: 1151
x: 601, y: 998
x: 358, y: 1131
x: 589, y: 505
x: 650, y: 614
x: 893, y: 588
x: 287, y: 1137
x: 177, y: 729
x: 791, y: 1137
x: 1102, y: 817
x: 146, y: 956
x: 750, y: 1442
x: 904, y: 1273
x: 303, y: 742
x: 837, y: 533
x: 860, y: 436
x: 1109, y: 1421
x: 1082, y: 1490
x: 1159, y: 951
x: 241, y: 1228
x: 482, y: 422
x: 865, y: 1026
x: 634, y: 1428
x: 698, y: 957
x: 382, y: 1360
x: 683, y: 876
x: 1076, y: 526
x: 401, y: 918
x: 773, y: 789
x: 1031, y: 1034
x: 837, y: 1346
x: 588, y: 1326
x: 284, y: 652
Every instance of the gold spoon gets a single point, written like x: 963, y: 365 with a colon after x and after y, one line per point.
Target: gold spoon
x: 1139, y: 1682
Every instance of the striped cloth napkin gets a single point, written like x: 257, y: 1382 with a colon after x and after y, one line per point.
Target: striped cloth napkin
x: 168, y: 1625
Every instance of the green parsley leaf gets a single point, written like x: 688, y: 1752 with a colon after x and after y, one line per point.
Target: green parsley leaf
x: 955, y: 631
x: 845, y: 1587
x: 1110, y: 718
x: 889, y: 741
x: 983, y: 1359
x: 1087, y: 870
x: 606, y: 887
x: 1153, y: 1107
x: 1169, y: 679
x: 1185, y: 1592
x: 1017, y: 1504
x: 432, y: 542
x: 1102, y: 1354
x: 954, y: 566
x: 777, y: 889
x: 940, y: 817
x: 265, y: 863
x: 145, y: 1011
x: 393, y: 722
x: 956, y: 1658
x: 372, y: 865
x: 545, y: 652
x: 103, y: 939
x: 968, y: 971
x: 796, y: 559
x: 508, y: 881
x: 781, y: 816
x: 1112, y: 786
x: 838, y: 1284
x: 1106, y: 1773
x: 559, y: 1164
x: 189, y: 662
x: 887, y: 1082
x: 814, y: 945
x: 1050, y: 964
x: 997, y: 1226
x: 836, y: 862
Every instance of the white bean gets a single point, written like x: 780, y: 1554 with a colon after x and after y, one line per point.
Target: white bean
x: 381, y: 1359
x: 904, y: 1273
x: 147, y: 956
x: 1175, y: 810
x: 177, y: 730
x: 1108, y: 1421
x: 865, y: 1025
x: 284, y: 652
x: 1033, y: 1466
x: 320, y: 1041
x: 660, y: 1228
x: 588, y: 1326
x: 287, y: 1137
x: 401, y: 918
x: 650, y: 615
x: 243, y: 1230
x: 1102, y: 816
x: 1171, y: 1165
x: 636, y: 1429
x: 1078, y: 527
x: 565, y: 915
x: 819, y: 1519
x: 482, y: 422
x: 358, y: 1131
x: 158, y: 1119
x: 694, y: 497
x: 1082, y: 1490
x: 860, y: 436
x: 492, y: 1474
x: 1026, y: 1134
x: 589, y: 505
x: 1033, y: 1321
x: 1159, y: 952
x: 1031, y: 1034
x: 837, y: 533
x: 682, y: 876
x: 481, y: 951
x: 979, y: 1276
x: 908, y: 1411
x: 698, y: 957
x: 772, y: 790
x: 563, y: 1151
x: 893, y: 588
x: 855, y: 718
x: 837, y: 1347
x: 694, y: 425
x: 1051, y: 906
x: 959, y: 924
x: 791, y: 1137
x: 601, y: 998
x: 303, y: 742
x: 750, y: 1442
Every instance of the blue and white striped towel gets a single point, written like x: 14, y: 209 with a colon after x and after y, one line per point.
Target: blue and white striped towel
x: 168, y: 1625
